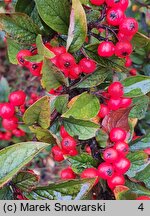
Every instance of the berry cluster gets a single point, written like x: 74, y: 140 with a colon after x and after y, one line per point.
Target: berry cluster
x: 7, y: 113
x: 68, y: 146
x: 126, y: 29
x: 62, y: 60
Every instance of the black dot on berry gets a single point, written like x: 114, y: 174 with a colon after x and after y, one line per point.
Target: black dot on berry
x: 34, y: 66
x: 67, y: 64
x: 125, y: 54
x: 66, y: 143
x: 113, y: 16
x: 109, y: 172
x: 132, y: 26
x: 21, y: 60
x: 117, y: 1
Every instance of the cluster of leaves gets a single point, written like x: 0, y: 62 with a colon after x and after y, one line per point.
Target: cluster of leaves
x: 66, y: 24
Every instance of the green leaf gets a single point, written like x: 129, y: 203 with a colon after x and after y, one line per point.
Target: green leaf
x: 13, y: 49
x: 83, y: 129
x: 94, y: 79
x: 15, y: 157
x: 19, y: 27
x: 6, y: 193
x: 42, y: 49
x: 26, y: 181
x: 144, y: 176
x: 52, y: 77
x: 38, y: 113
x: 136, y: 86
x: 137, y: 188
x: 78, y: 27
x: 25, y: 6
x: 123, y: 193
x: 4, y: 90
x: 43, y: 135
x: 61, y: 103
x: 141, y: 143
x: 140, y: 107
x: 55, y: 14
x: 82, y: 162
x: 35, y: 58
x: 102, y: 138
x: 69, y: 190
x: 139, y: 160
x: 84, y: 108
x: 141, y: 40
x: 109, y: 63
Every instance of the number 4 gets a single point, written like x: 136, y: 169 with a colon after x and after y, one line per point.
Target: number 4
x: 141, y: 207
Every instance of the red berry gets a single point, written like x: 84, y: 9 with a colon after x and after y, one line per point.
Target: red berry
x: 68, y: 143
x: 57, y: 153
x: 67, y: 174
x: 114, y: 104
x: 143, y: 198
x: 106, y: 49
x: 122, y: 165
x: 7, y: 110
x: 66, y: 61
x: 97, y: 2
x: 115, y: 181
x: 128, y: 62
x: 133, y: 72
x: 122, y: 4
x: 21, y: 57
x: 110, y: 155
x: 123, y: 49
x: 129, y: 26
x: 125, y: 102
x: 73, y: 152
x: 63, y: 132
x: 18, y: 133
x: 123, y: 37
x: 105, y: 170
x: 115, y: 90
x: 17, y: 98
x: 117, y: 134
x: 7, y: 136
x: 35, y: 68
x: 88, y: 149
x: 58, y: 50
x: 91, y: 173
x: 74, y: 72
x: 87, y: 65
x: 122, y: 148
x: 114, y: 16
x: 10, y: 124
x: 104, y: 111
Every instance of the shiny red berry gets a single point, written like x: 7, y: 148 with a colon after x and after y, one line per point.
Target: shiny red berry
x: 10, y: 124
x: 122, y: 148
x: 114, y: 16
x: 123, y: 4
x: 35, y: 68
x: 17, y: 98
x: 74, y: 72
x: 7, y: 110
x: 133, y: 72
x: 115, y: 90
x: 143, y: 198
x: 125, y: 102
x: 18, y: 133
x: 117, y: 134
x: 88, y: 149
x: 97, y: 2
x: 128, y: 62
x: 57, y: 153
x: 67, y: 174
x: 147, y: 151
x: 123, y: 49
x: 106, y: 49
x: 116, y: 180
x: 91, y: 173
x: 21, y: 57
x: 123, y: 37
x: 129, y: 26
x: 63, y: 132
x: 7, y: 136
x: 114, y: 104
x: 122, y: 165
x: 73, y: 152
x: 104, y: 111
x: 105, y: 170
x: 87, y: 65
x: 68, y: 143
x: 110, y: 155
x: 58, y: 50
x: 66, y: 61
